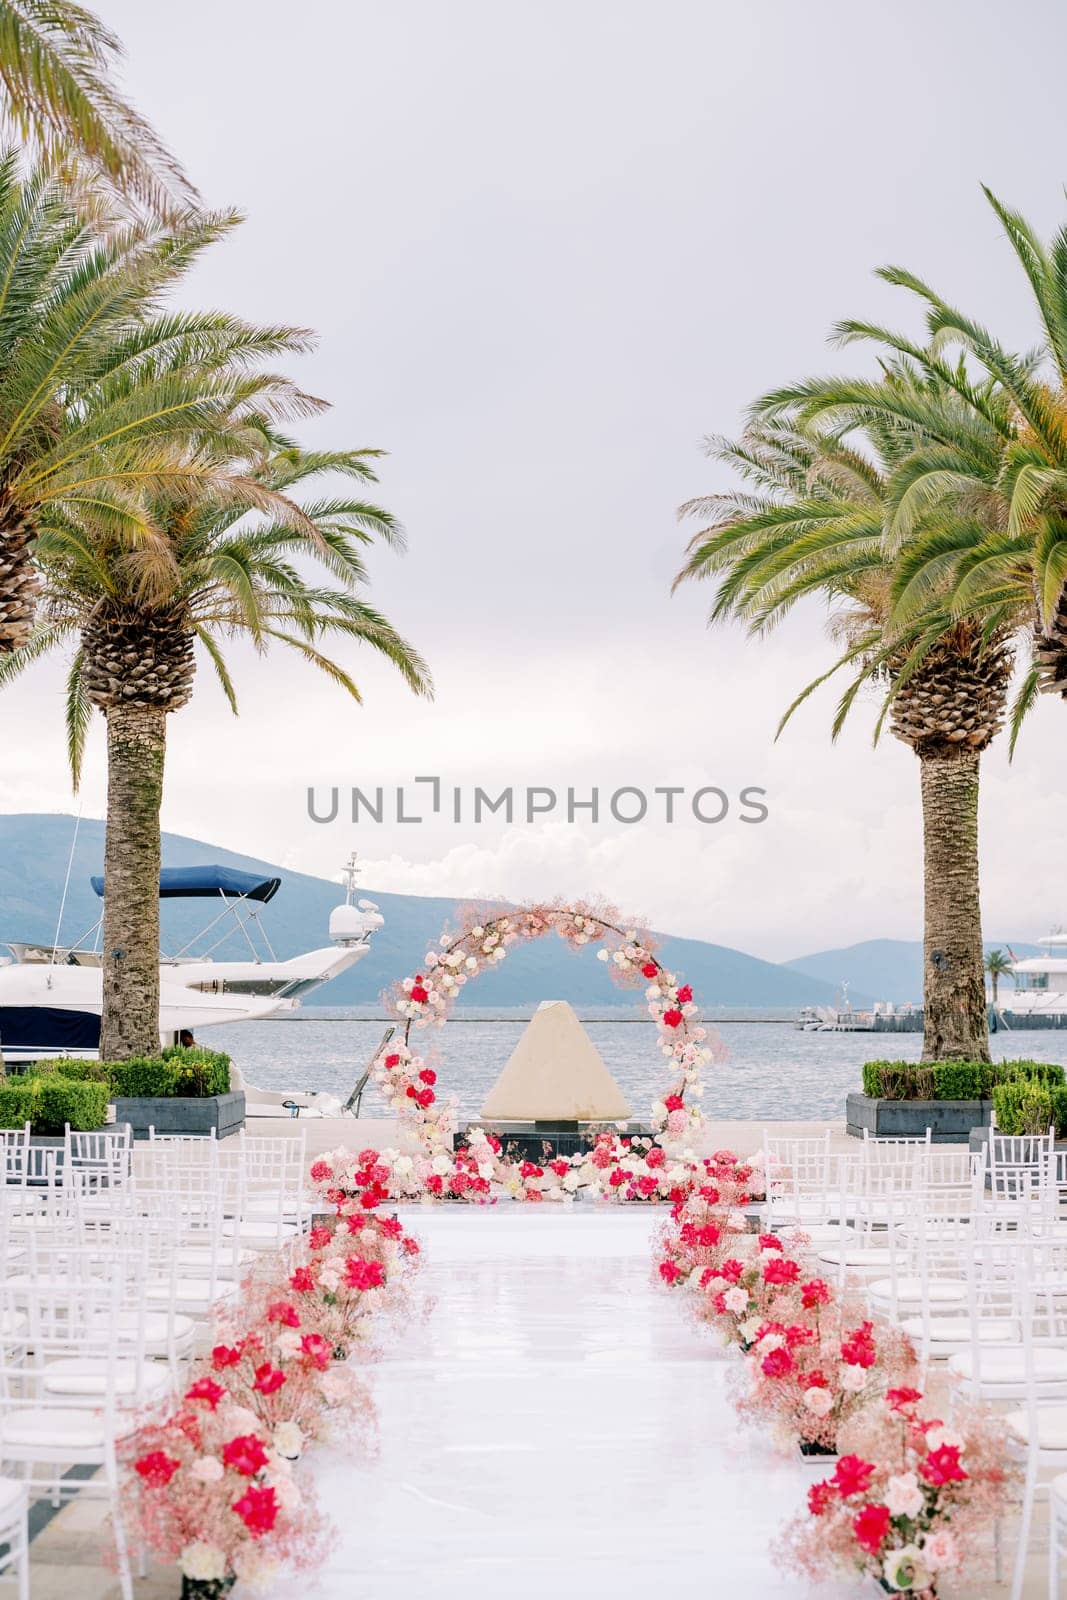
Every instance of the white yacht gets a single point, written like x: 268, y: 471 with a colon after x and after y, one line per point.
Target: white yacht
x: 1041, y: 982
x: 50, y: 996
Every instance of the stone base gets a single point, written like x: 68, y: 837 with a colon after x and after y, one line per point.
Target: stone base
x: 528, y: 1140
x: 949, y: 1121
x: 222, y: 1113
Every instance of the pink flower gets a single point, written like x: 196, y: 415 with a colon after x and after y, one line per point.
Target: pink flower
x: 258, y: 1510
x: 319, y: 1237
x: 302, y: 1280
x: 245, y: 1454
x: 282, y: 1311
x: 157, y: 1468
x: 208, y: 1390
x: 268, y: 1379
x: 902, y: 1400
x: 225, y: 1355
x: 781, y: 1270
x: 815, y: 1293
x: 769, y: 1241
x: 362, y: 1275
x: 321, y: 1171
x: 941, y: 1550
x: 656, y: 1156
x: 777, y: 1363
x: 871, y: 1527
x: 669, y: 1271
x: 852, y: 1476
x: 317, y: 1349
x: 820, y: 1496
x: 858, y: 1349
x: 943, y: 1466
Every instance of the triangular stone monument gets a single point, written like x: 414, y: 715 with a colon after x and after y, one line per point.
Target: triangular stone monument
x: 555, y: 1074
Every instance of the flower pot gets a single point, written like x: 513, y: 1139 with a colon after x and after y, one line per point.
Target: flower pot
x: 819, y: 1456
x: 207, y: 1588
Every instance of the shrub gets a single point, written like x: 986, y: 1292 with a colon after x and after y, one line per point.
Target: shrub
x: 1022, y: 1106
x: 956, y: 1080
x: 49, y: 1101
x: 188, y: 1074
x: 77, y: 1071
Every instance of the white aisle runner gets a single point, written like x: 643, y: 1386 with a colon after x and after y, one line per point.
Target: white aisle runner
x: 555, y: 1427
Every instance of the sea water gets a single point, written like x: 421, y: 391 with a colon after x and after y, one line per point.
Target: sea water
x: 767, y: 1068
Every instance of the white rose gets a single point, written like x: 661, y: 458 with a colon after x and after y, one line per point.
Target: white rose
x: 572, y: 1181
x: 770, y: 1341
x: 820, y: 1401
x: 330, y: 1279
x: 203, y: 1563
x: 238, y: 1419
x: 852, y: 1377
x: 288, y: 1440
x: 485, y: 1170
x: 736, y: 1300
x: 906, y: 1569
x: 288, y: 1342
x: 206, y: 1469
x: 737, y: 1222
x: 441, y: 1165
x: 748, y: 1330
x: 904, y: 1496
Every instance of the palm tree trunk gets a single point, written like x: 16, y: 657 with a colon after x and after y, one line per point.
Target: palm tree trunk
x: 19, y: 584
x: 955, y: 1022
x: 136, y: 749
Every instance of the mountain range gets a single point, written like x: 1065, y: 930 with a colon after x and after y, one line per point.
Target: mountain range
x: 35, y: 850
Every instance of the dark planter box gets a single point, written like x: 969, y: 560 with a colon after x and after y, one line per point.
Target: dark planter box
x: 980, y: 1138
x: 949, y: 1121
x: 225, y: 1113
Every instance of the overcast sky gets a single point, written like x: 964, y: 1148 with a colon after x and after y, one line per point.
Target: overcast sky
x: 547, y: 248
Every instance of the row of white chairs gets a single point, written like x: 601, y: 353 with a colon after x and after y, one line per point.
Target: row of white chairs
x: 968, y: 1254
x: 116, y: 1260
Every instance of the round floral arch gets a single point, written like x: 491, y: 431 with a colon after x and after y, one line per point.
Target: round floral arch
x: 483, y: 939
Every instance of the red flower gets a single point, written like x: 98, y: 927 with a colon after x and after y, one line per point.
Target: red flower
x: 319, y: 1238
x: 268, y: 1379
x: 672, y: 1017
x: 669, y: 1271
x: 777, y: 1363
x: 560, y: 1168
x: 685, y: 994
x: 392, y: 1060
x: 418, y: 993
x: 425, y: 1098
x: 871, y: 1527
x: 302, y: 1280
x: 320, y: 1171
x: 902, y: 1400
x: 208, y: 1390
x: 815, y: 1293
x: 317, y: 1349
x: 781, y: 1270
x: 360, y: 1274
x: 282, y: 1311
x: 427, y: 1075
x: 821, y: 1495
x: 157, y: 1468
x: 411, y: 1246
x: 674, y: 1102
x: 943, y: 1466
x: 245, y: 1454
x: 655, y: 1157
x: 732, y: 1270
x: 858, y: 1349
x: 258, y: 1510
x: 225, y: 1355
x: 852, y: 1476
x: 650, y: 969
x: 769, y: 1241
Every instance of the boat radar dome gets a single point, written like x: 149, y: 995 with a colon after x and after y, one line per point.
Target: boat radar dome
x: 351, y: 924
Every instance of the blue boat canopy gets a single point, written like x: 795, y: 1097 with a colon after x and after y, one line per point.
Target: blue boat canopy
x: 201, y: 883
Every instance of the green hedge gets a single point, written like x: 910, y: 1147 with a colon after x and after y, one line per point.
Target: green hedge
x: 1030, y: 1107
x: 178, y: 1073
x: 188, y: 1074
x: 954, y: 1080
x: 49, y: 1101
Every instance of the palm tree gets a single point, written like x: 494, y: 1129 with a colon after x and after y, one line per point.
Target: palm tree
x: 139, y: 608
x: 998, y: 965
x: 57, y: 89
x: 814, y: 525
x: 983, y: 501
x: 98, y: 383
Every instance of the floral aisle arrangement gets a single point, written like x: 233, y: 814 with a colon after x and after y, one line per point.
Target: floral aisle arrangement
x: 483, y: 939
x: 216, y: 1486
x: 210, y: 1490
x: 905, y: 1509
